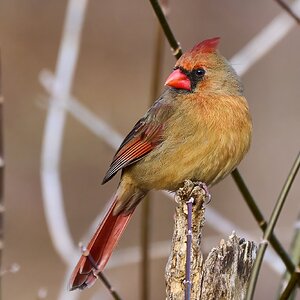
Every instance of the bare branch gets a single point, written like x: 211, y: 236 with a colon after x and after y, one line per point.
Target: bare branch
x: 262, y: 223
x: 288, y: 10
x: 226, y: 271
x: 53, y: 133
x: 270, y: 227
x: 290, y: 288
x: 264, y: 41
x: 295, y: 255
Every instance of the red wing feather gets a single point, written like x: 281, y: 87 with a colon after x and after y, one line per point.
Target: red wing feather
x: 130, y: 153
x: 143, y: 138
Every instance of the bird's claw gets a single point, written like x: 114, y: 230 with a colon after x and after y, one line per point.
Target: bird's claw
x: 204, y: 186
x: 192, y: 190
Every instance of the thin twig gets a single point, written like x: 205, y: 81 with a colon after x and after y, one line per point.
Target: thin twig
x: 189, y: 236
x: 282, y: 197
x: 295, y: 278
x: 256, y: 268
x: 270, y: 227
x: 288, y: 10
x: 295, y: 255
x: 103, y: 278
x: 158, y: 62
x: 175, y: 46
x: 261, y: 220
x: 112, y: 291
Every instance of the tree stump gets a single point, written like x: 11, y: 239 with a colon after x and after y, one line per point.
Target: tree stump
x: 225, y: 272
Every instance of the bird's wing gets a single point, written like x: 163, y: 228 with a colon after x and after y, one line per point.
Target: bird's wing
x: 144, y: 137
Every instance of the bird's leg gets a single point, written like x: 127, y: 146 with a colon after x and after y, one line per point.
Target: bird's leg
x: 205, y: 188
x: 193, y: 190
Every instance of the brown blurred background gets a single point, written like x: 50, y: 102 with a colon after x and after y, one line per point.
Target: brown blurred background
x: 113, y: 80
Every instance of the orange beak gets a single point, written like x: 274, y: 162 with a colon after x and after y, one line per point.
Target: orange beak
x: 178, y: 80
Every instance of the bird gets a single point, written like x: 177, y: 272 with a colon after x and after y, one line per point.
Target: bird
x: 198, y: 129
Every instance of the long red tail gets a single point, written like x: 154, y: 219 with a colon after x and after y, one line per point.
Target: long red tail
x: 100, y: 248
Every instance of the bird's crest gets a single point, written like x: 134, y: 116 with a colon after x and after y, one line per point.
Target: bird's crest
x: 195, y: 58
x: 207, y: 46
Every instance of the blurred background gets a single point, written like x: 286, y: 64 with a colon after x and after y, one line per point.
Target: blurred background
x: 113, y: 80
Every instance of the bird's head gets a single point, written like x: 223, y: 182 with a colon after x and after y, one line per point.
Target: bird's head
x: 203, y: 69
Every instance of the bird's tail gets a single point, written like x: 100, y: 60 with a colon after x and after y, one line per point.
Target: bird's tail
x: 100, y: 248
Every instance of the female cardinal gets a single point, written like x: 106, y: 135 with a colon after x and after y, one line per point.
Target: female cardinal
x: 198, y: 129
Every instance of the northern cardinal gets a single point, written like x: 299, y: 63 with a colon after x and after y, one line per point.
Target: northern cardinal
x: 198, y: 129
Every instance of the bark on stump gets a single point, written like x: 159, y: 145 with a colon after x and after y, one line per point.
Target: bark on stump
x: 225, y: 272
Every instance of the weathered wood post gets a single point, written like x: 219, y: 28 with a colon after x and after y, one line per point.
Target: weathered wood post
x: 225, y: 272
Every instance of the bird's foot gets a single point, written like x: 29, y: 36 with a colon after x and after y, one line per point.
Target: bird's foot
x: 192, y: 190
x: 204, y: 186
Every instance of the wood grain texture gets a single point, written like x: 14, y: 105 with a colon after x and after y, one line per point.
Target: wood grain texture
x: 225, y: 272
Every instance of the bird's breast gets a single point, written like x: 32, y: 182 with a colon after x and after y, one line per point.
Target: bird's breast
x: 198, y: 145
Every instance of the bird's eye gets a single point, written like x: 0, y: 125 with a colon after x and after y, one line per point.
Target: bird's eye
x: 200, y: 72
